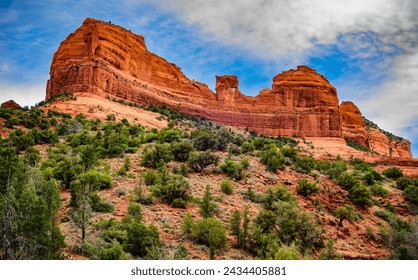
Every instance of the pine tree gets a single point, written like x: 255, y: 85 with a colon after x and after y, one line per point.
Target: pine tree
x: 207, y: 207
x: 235, y: 226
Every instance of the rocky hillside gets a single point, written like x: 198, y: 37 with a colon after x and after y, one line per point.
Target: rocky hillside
x: 113, y: 183
x: 106, y: 60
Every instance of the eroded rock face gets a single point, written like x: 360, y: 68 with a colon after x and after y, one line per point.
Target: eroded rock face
x: 109, y: 61
x: 387, y: 146
x: 353, y: 124
x: 11, y: 104
x: 373, y: 138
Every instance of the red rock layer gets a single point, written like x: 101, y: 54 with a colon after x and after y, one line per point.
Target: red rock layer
x: 11, y: 104
x: 110, y: 61
x: 353, y: 124
x: 388, y: 146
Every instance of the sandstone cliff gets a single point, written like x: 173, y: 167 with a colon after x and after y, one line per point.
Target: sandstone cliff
x: 353, y: 124
x: 109, y: 61
x: 11, y: 104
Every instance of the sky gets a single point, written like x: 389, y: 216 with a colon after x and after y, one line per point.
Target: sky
x: 368, y: 49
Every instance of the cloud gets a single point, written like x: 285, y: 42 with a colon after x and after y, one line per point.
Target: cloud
x: 395, y: 105
x: 288, y: 27
x: 24, y: 95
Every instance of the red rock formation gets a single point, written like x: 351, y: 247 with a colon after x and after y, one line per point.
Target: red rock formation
x: 109, y: 61
x: 384, y: 145
x: 373, y: 138
x: 11, y: 104
x: 353, y: 124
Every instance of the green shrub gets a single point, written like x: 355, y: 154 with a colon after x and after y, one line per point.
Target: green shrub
x: 227, y: 187
x: 305, y: 164
x: 329, y: 253
x: 280, y: 193
x: 169, y: 135
x: 135, y: 211
x: 393, y: 173
x: 361, y: 195
x: 141, y: 239
x: 181, y: 150
x: 203, y: 140
x: 10, y: 123
x: 150, y: 177
x: 188, y: 224
x: 199, y: 161
x: 272, y: 158
x: 98, y: 205
x: 368, y: 178
x: 112, y: 251
x: 141, y: 197
x: 306, y: 187
x: 175, y: 187
x: 347, y: 181
x: 210, y: 232
x: 411, y: 193
x: 297, y: 226
x: 96, y: 180
x: 379, y: 191
x: 289, y: 152
x: 234, y: 169
x: 403, y: 182
x: 247, y: 147
x: 346, y: 213
x: 160, y: 152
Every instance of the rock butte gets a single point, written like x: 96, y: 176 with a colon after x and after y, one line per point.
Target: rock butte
x: 112, y: 62
x: 11, y: 104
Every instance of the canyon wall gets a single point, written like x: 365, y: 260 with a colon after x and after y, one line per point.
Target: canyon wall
x: 112, y: 62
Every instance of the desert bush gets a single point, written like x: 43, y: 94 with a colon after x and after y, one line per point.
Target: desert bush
x: 329, y: 253
x: 199, y: 161
x: 272, y: 158
x: 96, y: 180
x: 403, y: 182
x: 210, y: 232
x: 305, y: 164
x: 203, y: 139
x: 306, y: 187
x: 345, y: 213
x: 297, y: 226
x: 247, y: 147
x: 140, y: 239
x: 361, y: 195
x: 172, y: 190
x: 347, y: 181
x: 411, y: 193
x: 234, y: 169
x: 98, y: 205
x: 181, y: 150
x: 393, y: 173
x: 160, y: 152
x: 150, y: 177
x: 379, y: 191
x: 280, y: 193
x: 227, y: 187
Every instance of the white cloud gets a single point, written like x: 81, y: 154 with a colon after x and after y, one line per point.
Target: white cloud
x: 24, y: 95
x: 394, y: 106
x: 280, y: 28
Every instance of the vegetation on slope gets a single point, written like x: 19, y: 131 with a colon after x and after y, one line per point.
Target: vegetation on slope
x: 96, y: 163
